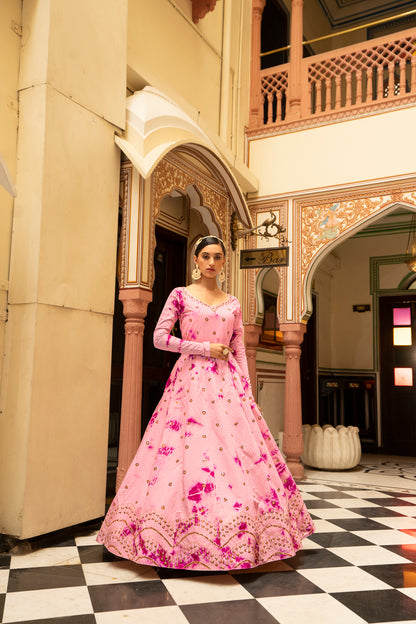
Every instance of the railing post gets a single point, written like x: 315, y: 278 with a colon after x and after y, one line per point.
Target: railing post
x: 256, y: 107
x: 295, y: 65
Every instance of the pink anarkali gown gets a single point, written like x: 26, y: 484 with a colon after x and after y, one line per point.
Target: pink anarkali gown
x: 208, y: 488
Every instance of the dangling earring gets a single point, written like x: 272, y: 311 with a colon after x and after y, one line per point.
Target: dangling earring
x: 221, y: 276
x: 196, y: 273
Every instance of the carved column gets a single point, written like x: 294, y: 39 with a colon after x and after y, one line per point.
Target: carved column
x: 135, y: 302
x: 251, y: 335
x: 256, y: 107
x: 295, y: 66
x: 292, y: 436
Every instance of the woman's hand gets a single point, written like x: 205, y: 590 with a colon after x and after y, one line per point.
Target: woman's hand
x: 220, y: 351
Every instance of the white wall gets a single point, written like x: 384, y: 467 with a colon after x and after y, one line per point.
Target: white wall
x: 355, y: 151
x: 346, y: 338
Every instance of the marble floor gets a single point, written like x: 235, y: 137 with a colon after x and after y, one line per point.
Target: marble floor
x: 358, y: 567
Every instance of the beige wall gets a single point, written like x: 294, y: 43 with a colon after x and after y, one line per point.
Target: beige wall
x: 55, y: 387
x: 343, y: 153
x: 185, y: 61
x: 347, y: 339
x: 10, y: 11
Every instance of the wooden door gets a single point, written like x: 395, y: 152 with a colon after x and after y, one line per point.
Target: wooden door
x: 397, y: 339
x: 170, y: 272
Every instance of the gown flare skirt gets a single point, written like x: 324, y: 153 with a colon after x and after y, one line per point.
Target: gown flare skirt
x: 208, y: 488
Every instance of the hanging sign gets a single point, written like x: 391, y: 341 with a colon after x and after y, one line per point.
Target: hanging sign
x: 259, y: 258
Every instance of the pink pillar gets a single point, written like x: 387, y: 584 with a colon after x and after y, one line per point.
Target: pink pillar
x: 292, y: 436
x: 296, y: 54
x: 135, y: 302
x: 256, y: 107
x: 251, y: 335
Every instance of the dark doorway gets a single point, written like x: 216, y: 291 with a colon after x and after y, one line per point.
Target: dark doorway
x: 397, y: 339
x: 170, y: 272
x: 308, y: 371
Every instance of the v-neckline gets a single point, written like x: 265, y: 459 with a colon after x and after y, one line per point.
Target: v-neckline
x: 213, y: 307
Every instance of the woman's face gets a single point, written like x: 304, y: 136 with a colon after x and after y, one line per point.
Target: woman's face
x: 210, y: 260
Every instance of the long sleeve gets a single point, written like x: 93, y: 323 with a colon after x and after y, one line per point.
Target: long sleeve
x: 162, y: 338
x: 237, y: 343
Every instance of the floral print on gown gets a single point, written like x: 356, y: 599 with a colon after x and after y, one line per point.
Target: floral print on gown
x: 208, y: 488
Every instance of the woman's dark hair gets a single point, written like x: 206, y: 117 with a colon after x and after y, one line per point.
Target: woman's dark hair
x: 208, y: 240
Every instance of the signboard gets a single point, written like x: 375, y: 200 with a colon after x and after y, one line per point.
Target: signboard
x: 259, y: 258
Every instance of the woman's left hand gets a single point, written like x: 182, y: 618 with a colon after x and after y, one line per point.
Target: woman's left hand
x: 220, y: 351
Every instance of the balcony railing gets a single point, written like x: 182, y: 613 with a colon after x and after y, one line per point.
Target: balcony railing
x: 351, y: 81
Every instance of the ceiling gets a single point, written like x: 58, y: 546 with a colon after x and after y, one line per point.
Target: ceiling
x: 347, y: 12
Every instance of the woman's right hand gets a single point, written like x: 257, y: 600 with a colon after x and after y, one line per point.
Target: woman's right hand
x: 217, y: 351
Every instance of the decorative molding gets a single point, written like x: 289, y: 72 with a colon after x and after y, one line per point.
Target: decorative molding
x: 324, y: 119
x: 125, y: 197
x: 256, y: 207
x: 174, y: 172
x: 375, y: 263
x: 326, y: 220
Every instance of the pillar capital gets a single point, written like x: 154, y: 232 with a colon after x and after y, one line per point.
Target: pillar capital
x: 135, y: 302
x: 258, y: 7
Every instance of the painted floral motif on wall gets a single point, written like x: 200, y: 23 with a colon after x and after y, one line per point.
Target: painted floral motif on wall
x: 326, y: 221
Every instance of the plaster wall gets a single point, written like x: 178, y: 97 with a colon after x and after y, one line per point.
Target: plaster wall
x: 347, y: 339
x: 271, y: 388
x: 348, y: 152
x: 55, y: 387
x: 186, y: 61
x: 10, y: 12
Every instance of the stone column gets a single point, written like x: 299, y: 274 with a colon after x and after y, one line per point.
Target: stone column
x: 251, y: 335
x: 135, y: 302
x: 292, y: 436
x: 296, y: 54
x: 256, y: 107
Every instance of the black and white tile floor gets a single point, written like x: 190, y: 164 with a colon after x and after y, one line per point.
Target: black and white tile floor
x: 358, y: 567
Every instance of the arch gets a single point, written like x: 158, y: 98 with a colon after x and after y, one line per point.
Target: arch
x: 259, y: 291
x: 155, y: 126
x: 326, y: 249
x: 408, y: 282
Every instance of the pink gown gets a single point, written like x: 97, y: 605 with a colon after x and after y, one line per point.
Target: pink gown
x: 208, y: 488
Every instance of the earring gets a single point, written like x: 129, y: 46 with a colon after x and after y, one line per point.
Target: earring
x: 221, y: 276
x: 196, y: 273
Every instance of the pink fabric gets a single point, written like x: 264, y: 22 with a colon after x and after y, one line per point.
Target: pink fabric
x: 208, y: 488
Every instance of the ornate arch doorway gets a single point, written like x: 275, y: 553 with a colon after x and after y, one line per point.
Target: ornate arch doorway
x: 189, y: 193
x: 357, y: 284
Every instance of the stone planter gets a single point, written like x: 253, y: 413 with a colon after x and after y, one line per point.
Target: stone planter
x: 330, y: 448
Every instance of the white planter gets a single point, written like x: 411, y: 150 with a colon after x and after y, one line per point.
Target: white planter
x: 331, y: 449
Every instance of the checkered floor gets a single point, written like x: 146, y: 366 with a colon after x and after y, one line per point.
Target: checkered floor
x: 358, y: 567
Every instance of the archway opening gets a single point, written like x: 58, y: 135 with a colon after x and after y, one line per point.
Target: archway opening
x: 181, y: 220
x: 350, y: 281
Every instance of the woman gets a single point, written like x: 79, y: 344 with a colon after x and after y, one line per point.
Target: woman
x: 208, y: 488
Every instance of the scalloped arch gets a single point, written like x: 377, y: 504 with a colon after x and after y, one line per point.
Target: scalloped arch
x: 155, y: 125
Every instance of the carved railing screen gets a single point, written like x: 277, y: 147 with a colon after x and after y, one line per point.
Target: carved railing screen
x: 274, y: 86
x: 358, y: 76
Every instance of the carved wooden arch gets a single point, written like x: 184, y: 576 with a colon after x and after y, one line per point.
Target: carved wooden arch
x: 206, y: 194
x: 324, y: 225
